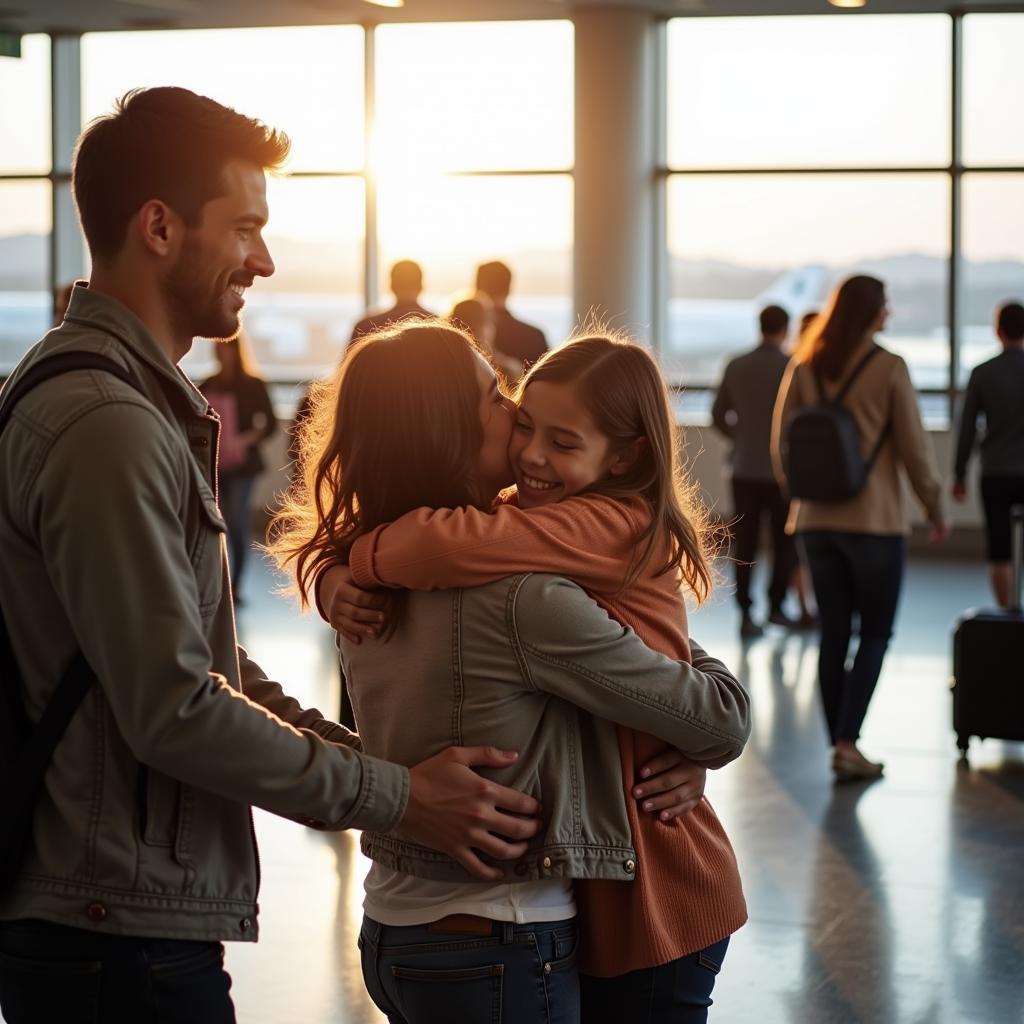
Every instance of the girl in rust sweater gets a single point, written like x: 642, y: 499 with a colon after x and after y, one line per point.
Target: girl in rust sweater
x: 601, y: 498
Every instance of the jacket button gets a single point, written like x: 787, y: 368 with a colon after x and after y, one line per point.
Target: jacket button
x: 546, y: 862
x: 96, y: 912
x: 245, y: 924
x: 630, y: 866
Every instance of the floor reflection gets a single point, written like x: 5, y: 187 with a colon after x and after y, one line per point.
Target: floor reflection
x: 894, y: 902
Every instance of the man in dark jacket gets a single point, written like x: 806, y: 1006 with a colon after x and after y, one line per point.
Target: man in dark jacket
x: 521, y: 342
x: 742, y: 411
x: 407, y: 285
x: 143, y: 857
x: 996, y: 392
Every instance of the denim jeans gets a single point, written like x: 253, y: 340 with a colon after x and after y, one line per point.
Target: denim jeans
x: 855, y: 575
x: 678, y: 992
x: 51, y: 972
x: 522, y: 973
x: 236, y: 490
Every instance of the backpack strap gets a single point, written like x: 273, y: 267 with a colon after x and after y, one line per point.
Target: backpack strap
x: 78, y: 677
x: 857, y: 370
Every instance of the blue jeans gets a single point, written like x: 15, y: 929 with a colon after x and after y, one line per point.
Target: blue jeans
x: 524, y: 973
x: 678, y: 992
x: 51, y: 972
x: 236, y: 506
x: 855, y: 575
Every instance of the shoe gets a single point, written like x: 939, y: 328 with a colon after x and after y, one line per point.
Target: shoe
x: 749, y: 629
x: 855, y: 768
x: 779, y: 618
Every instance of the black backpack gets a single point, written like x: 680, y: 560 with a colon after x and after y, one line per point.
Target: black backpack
x: 821, y: 446
x: 26, y: 748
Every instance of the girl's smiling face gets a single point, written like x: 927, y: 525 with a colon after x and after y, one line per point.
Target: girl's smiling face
x: 556, y: 448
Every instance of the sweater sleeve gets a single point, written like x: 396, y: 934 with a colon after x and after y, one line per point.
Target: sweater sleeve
x: 913, y: 446
x: 588, y: 538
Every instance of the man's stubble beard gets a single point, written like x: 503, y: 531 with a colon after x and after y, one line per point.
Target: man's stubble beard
x: 192, y: 310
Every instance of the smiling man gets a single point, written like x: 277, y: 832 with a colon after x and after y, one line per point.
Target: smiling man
x: 140, y: 856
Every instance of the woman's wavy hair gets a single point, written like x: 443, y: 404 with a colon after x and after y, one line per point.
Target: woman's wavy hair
x: 396, y: 427
x: 622, y: 389
x: 831, y: 338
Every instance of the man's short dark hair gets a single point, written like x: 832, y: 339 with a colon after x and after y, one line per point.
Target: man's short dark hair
x: 774, y: 320
x: 1010, y: 321
x: 407, y: 276
x: 494, y: 278
x: 163, y: 143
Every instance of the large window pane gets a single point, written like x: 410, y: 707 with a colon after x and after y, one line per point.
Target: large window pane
x: 25, y: 301
x: 839, y: 91
x: 449, y: 225
x: 993, y: 267
x: 25, y: 109
x: 475, y: 96
x: 739, y: 242
x: 994, y: 89
x: 306, y: 81
x: 299, y: 320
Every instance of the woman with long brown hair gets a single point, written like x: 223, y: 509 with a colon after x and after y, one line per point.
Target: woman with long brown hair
x: 406, y: 434
x: 856, y: 544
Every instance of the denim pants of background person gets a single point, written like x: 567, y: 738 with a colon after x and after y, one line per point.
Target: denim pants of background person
x: 678, y: 992
x: 855, y: 574
x: 236, y: 507
x: 522, y: 973
x: 55, y: 973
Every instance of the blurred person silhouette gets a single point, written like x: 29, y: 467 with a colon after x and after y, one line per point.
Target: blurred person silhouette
x: 995, y: 391
x: 406, y: 285
x: 516, y: 340
x: 240, y: 397
x: 474, y: 312
x: 742, y: 411
x: 855, y: 536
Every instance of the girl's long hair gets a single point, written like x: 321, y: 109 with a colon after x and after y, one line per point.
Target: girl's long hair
x: 621, y: 387
x: 831, y: 338
x: 395, y: 428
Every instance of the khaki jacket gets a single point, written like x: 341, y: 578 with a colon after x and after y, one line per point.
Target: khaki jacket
x: 532, y: 662
x: 882, y: 395
x: 111, y: 540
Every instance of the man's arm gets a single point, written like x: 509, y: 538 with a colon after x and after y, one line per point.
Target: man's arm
x: 724, y: 406
x: 968, y: 429
x: 570, y: 647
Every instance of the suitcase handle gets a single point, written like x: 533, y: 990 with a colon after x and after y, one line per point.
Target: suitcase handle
x: 1017, y: 533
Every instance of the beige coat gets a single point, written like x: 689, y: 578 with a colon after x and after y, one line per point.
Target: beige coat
x: 882, y: 394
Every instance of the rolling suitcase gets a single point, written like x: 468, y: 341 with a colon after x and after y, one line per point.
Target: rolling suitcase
x: 988, y: 663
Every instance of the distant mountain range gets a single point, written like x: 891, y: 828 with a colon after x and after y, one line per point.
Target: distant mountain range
x: 917, y: 281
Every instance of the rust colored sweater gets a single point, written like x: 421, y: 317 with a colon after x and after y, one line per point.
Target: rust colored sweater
x: 687, y: 892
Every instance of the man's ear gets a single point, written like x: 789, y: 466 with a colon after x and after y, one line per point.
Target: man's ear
x: 627, y: 457
x: 159, y: 227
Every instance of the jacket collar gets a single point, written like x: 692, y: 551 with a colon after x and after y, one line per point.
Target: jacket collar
x: 89, y: 308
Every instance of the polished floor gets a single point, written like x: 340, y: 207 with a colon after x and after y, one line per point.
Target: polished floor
x: 899, y: 901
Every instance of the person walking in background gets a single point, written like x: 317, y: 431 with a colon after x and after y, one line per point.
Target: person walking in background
x: 856, y: 546
x: 742, y: 411
x: 475, y: 313
x: 240, y: 397
x: 996, y: 391
x: 406, y: 285
x: 515, y: 340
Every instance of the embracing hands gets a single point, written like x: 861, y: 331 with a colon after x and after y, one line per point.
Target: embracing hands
x: 355, y: 613
x: 462, y: 814
x: 671, y: 785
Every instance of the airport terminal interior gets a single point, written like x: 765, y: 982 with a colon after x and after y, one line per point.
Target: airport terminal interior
x: 673, y: 166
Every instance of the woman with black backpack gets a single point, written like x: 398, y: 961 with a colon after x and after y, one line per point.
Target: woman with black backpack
x: 845, y: 421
